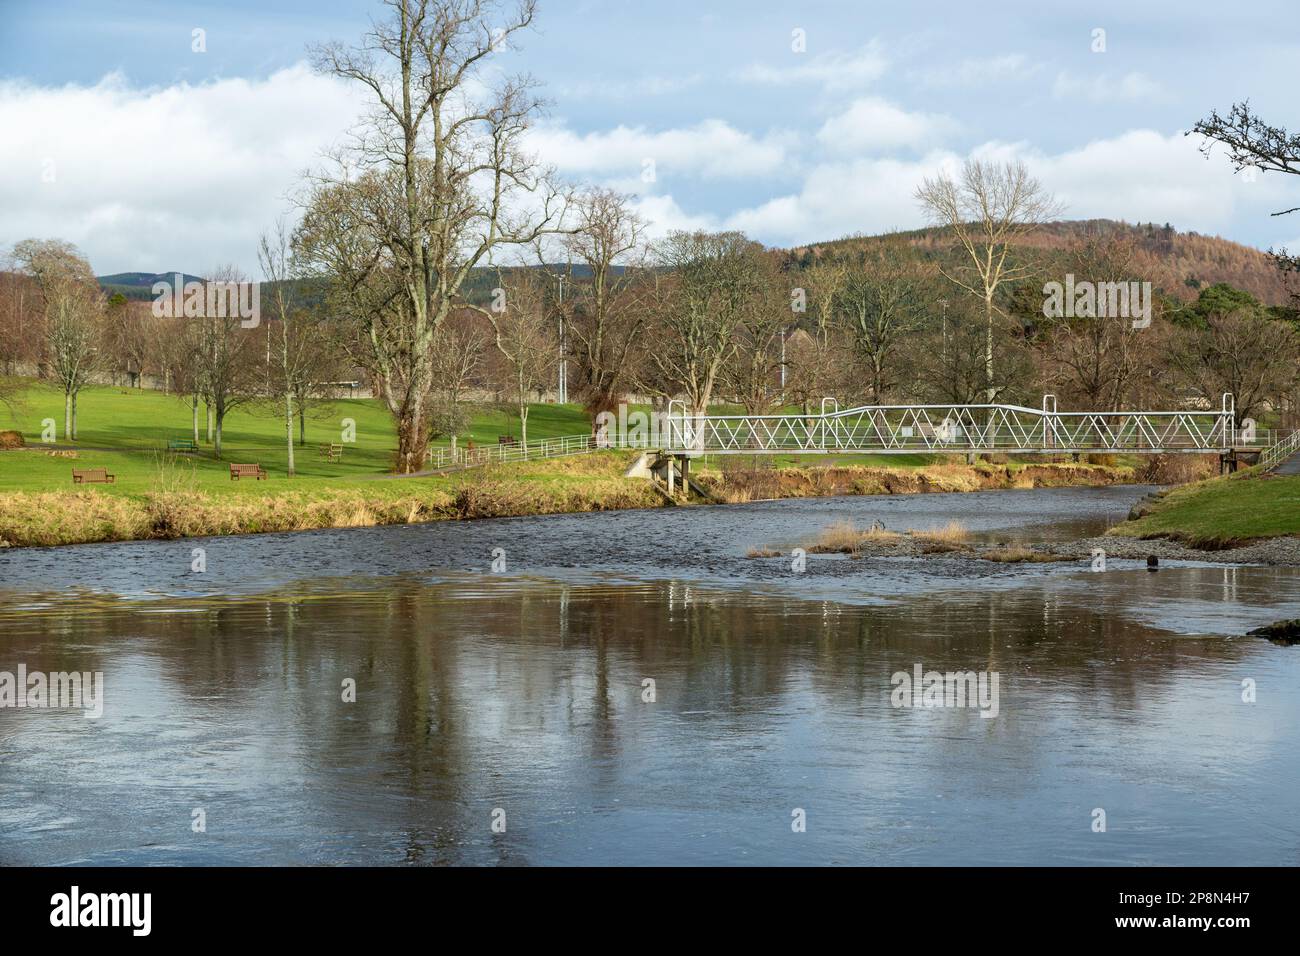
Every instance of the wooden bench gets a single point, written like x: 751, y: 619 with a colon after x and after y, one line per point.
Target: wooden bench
x: 246, y: 471
x: 331, y: 452
x: 506, y: 440
x: 92, y: 476
x: 182, y: 444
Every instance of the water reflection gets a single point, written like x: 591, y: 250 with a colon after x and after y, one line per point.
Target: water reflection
x: 478, y: 692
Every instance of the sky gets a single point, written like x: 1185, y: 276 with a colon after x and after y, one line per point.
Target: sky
x: 795, y: 122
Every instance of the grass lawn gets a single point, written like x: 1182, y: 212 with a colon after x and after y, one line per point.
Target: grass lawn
x: 126, y: 432
x: 1222, y: 511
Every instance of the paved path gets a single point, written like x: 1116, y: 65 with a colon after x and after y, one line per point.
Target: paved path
x: 1289, y: 467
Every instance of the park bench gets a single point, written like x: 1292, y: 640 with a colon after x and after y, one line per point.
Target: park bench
x: 506, y: 440
x: 331, y: 452
x: 182, y: 444
x: 92, y: 476
x: 246, y: 471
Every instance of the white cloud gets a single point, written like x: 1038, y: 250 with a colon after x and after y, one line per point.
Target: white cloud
x: 1140, y: 175
x: 181, y: 177
x: 651, y: 85
x: 978, y: 72
x: 711, y: 149
x: 833, y: 71
x: 872, y: 124
x: 1106, y: 88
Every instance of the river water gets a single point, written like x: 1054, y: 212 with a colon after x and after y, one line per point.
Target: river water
x: 630, y: 688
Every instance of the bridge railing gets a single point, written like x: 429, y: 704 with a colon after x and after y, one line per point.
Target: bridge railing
x: 1281, y: 449
x: 955, y: 428
x: 444, y: 459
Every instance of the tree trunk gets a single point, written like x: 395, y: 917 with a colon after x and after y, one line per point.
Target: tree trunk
x: 990, y: 392
x: 523, y: 427
x: 411, y: 444
x: 288, y: 427
x: 194, y: 407
x: 216, y: 448
x: 74, y: 416
x: 208, y: 406
x: 302, y: 424
x: 67, y: 416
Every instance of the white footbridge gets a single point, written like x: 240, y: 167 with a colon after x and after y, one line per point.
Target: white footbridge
x: 969, y: 429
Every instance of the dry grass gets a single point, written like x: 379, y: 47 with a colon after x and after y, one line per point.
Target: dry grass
x: 174, y: 508
x: 953, y: 533
x: 844, y: 537
x: 1178, y: 469
x: 735, y: 485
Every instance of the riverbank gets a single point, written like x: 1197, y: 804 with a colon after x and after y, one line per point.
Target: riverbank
x: 1230, y: 513
x: 950, y: 546
x: 177, y: 505
x: 1247, y: 518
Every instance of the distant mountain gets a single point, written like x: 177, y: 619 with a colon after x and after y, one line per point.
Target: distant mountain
x: 1179, y: 264
x: 477, y: 289
x: 139, y: 285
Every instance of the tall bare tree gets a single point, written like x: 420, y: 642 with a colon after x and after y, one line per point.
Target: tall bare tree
x: 752, y: 376
x: 879, y: 304
x: 699, y: 306
x: 227, y: 364
x: 443, y: 182
x: 74, y: 311
x: 295, y: 335
x: 524, y: 340
x: 990, y: 209
x: 604, y: 312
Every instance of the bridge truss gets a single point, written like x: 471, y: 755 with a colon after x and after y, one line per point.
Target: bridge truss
x: 929, y: 429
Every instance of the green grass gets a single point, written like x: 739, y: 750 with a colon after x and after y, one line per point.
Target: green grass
x: 126, y: 431
x: 1224, y: 511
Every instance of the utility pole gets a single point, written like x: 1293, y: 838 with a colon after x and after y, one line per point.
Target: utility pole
x: 944, y: 303
x: 783, y: 331
x: 564, y: 352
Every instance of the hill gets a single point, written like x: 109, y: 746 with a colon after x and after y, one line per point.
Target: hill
x: 139, y: 285
x: 1179, y: 264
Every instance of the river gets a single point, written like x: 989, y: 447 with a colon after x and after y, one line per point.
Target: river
x: 631, y: 688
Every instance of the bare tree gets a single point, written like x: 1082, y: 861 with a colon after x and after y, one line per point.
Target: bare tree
x: 524, y: 340
x: 990, y: 209
x: 458, y: 355
x: 296, y: 338
x: 752, y: 376
x: 699, y: 307
x: 880, y: 302
x: 1097, y: 361
x: 459, y: 350
x: 226, y: 360
x: 1253, y: 143
x: 813, y: 362
x: 444, y: 181
x: 130, y: 337
x: 604, y: 312
x: 1243, y: 353
x: 949, y: 362
x: 74, y: 310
